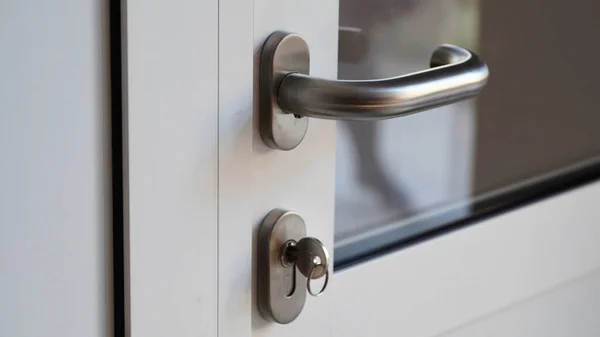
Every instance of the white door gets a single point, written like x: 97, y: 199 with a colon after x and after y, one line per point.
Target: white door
x: 476, y: 218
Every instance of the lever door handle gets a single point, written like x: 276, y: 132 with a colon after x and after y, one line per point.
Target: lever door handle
x: 455, y: 74
x: 288, y: 94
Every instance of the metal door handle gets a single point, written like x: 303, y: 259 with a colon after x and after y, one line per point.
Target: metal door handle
x: 288, y: 94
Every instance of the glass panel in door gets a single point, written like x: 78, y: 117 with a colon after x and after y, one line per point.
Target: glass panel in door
x: 534, y: 129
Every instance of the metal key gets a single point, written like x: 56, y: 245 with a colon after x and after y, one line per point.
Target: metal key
x: 311, y: 258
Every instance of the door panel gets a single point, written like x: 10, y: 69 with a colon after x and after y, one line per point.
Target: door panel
x: 211, y: 176
x: 400, y: 174
x: 456, y: 278
x: 568, y: 310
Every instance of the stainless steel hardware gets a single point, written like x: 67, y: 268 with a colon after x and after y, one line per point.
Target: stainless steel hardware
x: 312, y: 259
x: 283, y: 250
x: 288, y: 95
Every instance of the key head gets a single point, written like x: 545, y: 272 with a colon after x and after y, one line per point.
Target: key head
x: 312, y: 254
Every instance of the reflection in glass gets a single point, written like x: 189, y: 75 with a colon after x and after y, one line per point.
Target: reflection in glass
x: 393, y: 169
x: 399, y: 173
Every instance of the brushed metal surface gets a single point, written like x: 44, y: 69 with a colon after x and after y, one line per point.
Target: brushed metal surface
x: 288, y: 94
x: 282, y: 53
x: 455, y: 74
x: 281, y: 294
x: 304, y: 253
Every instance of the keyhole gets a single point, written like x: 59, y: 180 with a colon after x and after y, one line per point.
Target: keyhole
x: 288, y: 259
x: 292, y: 282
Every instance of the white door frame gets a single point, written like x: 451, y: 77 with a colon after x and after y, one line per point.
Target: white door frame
x: 171, y: 137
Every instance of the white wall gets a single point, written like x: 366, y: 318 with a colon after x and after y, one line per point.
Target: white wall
x: 54, y: 170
